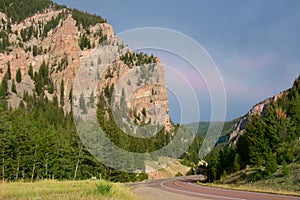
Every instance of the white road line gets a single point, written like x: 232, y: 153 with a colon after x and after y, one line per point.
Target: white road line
x: 238, y: 191
x: 195, y: 193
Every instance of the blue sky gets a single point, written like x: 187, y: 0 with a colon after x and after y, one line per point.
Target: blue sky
x: 254, y: 43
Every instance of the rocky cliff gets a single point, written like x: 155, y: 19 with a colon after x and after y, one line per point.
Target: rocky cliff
x: 257, y: 109
x: 55, y: 45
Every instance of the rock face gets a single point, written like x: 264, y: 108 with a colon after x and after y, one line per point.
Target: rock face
x: 140, y: 86
x: 69, y: 50
x: 257, y: 109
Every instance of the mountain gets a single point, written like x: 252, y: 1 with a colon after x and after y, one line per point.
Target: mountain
x: 258, y: 109
x: 267, y: 136
x: 56, y: 62
x: 201, y: 129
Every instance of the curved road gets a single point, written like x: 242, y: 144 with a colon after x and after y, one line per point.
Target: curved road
x: 185, y: 188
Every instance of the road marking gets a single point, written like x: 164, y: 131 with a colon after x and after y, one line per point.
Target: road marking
x: 245, y: 193
x: 196, y: 193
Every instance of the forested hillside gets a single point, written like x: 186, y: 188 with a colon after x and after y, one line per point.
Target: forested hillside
x: 39, y: 141
x: 201, y: 129
x: 19, y: 10
x: 270, y: 139
x: 38, y: 138
x: 41, y: 48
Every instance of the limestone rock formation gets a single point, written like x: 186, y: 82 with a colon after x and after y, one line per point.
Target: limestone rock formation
x: 66, y: 49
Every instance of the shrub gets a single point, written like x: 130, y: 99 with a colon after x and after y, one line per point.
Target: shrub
x: 285, y: 169
x: 179, y: 174
x: 103, y: 188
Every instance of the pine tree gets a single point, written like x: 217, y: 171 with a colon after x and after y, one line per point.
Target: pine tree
x: 30, y: 71
x: 214, y: 167
x: 38, y: 84
x: 144, y: 112
x: 44, y: 73
x: 8, y: 71
x: 255, y: 130
x: 19, y: 76
x: 51, y: 87
x: 62, y: 95
x: 271, y: 133
x: 4, y: 86
x: 34, y: 50
x: 13, y: 87
x: 71, y: 96
x: 271, y: 164
x: 236, y: 164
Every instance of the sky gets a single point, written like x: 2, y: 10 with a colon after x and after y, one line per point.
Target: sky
x: 255, y: 44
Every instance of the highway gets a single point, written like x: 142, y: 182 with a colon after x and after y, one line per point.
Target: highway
x: 185, y: 188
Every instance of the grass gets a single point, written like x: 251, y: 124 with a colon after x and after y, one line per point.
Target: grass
x: 65, y: 190
x: 252, y: 188
x: 103, y: 188
x: 275, y: 184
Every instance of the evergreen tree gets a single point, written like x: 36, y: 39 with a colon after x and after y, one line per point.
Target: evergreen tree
x: 237, y: 160
x: 19, y: 76
x: 271, y: 124
x: 30, y: 71
x: 214, y: 167
x: 8, y: 71
x: 34, y: 50
x: 71, y: 96
x: 19, y: 10
x: 84, y: 42
x: 255, y: 137
x: 13, y: 87
x: 44, y: 73
x: 4, y: 86
x: 144, y: 112
x: 271, y: 164
x: 51, y: 87
x: 38, y: 84
x: 62, y: 95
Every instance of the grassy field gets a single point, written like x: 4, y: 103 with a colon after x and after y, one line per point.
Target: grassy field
x: 65, y: 190
x: 276, y: 184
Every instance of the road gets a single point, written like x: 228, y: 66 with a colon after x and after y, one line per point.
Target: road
x: 185, y: 188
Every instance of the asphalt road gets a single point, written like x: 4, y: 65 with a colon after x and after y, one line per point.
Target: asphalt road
x: 185, y: 188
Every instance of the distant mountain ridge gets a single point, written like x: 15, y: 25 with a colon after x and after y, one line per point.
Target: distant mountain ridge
x: 201, y: 129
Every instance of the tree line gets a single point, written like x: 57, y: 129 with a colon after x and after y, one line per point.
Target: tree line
x: 20, y: 10
x: 269, y: 140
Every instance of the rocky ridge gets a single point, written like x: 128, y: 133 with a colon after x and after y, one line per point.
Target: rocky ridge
x: 257, y: 109
x: 57, y: 40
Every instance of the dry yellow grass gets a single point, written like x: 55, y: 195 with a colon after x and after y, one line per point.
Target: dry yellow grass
x: 63, y: 190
